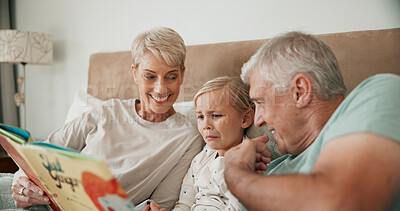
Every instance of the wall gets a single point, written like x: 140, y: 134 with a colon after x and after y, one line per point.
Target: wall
x: 80, y: 28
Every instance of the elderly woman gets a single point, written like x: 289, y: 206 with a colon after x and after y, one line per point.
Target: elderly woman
x: 147, y: 145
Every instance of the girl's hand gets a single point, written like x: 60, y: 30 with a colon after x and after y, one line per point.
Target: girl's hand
x: 153, y: 206
x: 26, y: 194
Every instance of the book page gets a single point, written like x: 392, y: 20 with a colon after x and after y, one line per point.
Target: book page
x: 75, y: 183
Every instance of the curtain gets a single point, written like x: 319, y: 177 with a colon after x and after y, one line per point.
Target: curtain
x: 8, y: 109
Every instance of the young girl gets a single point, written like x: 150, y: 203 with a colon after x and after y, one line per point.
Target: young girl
x: 224, y: 111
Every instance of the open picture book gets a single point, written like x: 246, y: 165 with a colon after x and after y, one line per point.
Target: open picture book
x: 71, y: 180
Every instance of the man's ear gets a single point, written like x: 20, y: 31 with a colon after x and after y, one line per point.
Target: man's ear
x: 248, y: 118
x: 302, y: 92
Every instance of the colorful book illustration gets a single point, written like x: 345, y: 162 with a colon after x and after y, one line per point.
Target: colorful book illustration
x: 71, y: 180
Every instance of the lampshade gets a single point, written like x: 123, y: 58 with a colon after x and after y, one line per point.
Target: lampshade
x: 25, y: 47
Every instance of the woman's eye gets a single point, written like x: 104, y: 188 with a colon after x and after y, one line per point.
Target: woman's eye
x: 149, y: 77
x: 172, y: 77
x: 200, y: 116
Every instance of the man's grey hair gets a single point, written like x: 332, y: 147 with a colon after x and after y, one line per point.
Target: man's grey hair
x: 281, y: 58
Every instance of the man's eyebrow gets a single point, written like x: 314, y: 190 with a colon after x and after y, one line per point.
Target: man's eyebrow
x: 255, y: 99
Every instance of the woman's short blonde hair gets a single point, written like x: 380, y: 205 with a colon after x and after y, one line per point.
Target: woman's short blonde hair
x: 164, y: 43
x: 237, y: 91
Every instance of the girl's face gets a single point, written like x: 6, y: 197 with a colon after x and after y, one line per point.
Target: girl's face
x: 219, y: 122
x: 158, y: 84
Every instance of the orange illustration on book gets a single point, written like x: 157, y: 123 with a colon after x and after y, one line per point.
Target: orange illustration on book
x: 106, y: 195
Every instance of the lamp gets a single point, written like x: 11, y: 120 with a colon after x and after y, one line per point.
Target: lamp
x: 23, y: 47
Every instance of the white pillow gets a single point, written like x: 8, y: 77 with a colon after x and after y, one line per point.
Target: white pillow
x: 185, y: 108
x: 84, y: 102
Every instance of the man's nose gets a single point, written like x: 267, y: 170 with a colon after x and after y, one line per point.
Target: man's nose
x: 258, y: 119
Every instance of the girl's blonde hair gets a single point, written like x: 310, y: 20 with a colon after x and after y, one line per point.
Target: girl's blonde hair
x: 164, y: 43
x: 237, y: 91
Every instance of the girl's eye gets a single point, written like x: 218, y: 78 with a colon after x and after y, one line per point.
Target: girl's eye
x: 200, y: 117
x: 216, y: 115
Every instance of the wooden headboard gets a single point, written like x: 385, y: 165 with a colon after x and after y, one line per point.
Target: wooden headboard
x: 360, y: 54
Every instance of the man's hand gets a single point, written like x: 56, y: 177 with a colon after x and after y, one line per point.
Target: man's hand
x: 251, y: 155
x: 26, y: 194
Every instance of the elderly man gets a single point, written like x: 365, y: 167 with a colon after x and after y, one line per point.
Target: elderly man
x: 342, y: 153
